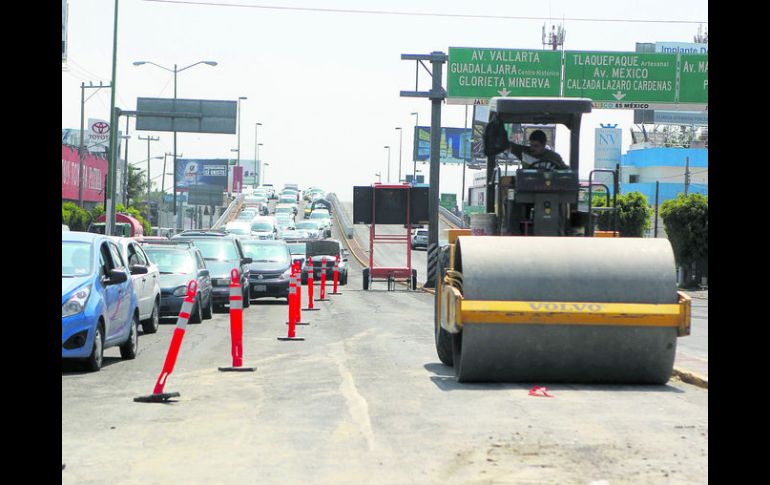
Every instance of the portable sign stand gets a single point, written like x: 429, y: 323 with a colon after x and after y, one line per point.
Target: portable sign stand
x: 391, y: 274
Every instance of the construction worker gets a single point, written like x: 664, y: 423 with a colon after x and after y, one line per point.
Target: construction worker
x: 536, y: 155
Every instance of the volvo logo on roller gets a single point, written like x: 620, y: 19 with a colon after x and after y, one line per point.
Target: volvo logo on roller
x: 567, y: 307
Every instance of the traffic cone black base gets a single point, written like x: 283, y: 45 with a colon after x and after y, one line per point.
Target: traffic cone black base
x: 161, y: 397
x: 238, y: 369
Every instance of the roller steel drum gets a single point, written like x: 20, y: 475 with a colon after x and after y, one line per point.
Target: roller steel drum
x: 566, y: 269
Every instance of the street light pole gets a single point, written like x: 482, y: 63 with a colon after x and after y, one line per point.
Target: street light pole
x: 388, y: 147
x: 400, y: 140
x: 416, y: 124
x: 175, y: 71
x: 264, y: 172
x: 256, y: 151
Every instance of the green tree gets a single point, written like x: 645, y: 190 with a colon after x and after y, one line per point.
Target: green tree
x: 633, y: 214
x: 687, y: 226
x: 137, y: 184
x: 76, y: 218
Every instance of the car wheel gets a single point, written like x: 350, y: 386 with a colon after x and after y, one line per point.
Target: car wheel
x: 344, y: 279
x: 195, y: 314
x: 207, y: 312
x: 247, y: 297
x: 128, y: 350
x: 219, y: 308
x: 151, y: 325
x: 366, y: 278
x: 94, y: 361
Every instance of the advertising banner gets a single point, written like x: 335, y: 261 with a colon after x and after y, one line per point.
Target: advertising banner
x: 237, y: 179
x: 206, y: 172
x: 98, y: 135
x: 94, y: 175
x: 455, y: 144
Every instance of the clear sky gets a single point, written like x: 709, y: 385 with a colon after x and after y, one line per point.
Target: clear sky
x: 325, y: 86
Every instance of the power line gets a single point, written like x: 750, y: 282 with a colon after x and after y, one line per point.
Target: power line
x: 422, y: 14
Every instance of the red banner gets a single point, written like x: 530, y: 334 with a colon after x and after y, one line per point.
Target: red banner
x: 94, y: 175
x: 237, y: 179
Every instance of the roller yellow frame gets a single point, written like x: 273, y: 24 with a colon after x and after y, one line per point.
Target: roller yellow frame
x: 456, y: 312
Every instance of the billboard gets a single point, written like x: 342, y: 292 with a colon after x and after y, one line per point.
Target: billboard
x: 455, y: 144
x: 94, y: 175
x: 206, y: 172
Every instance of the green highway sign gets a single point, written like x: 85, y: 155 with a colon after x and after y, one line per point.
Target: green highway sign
x: 475, y: 75
x: 620, y: 77
x: 694, y: 79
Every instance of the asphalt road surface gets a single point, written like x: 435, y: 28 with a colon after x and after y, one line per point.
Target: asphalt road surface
x: 364, y: 399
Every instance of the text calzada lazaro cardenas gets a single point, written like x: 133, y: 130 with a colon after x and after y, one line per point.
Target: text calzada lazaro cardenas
x: 486, y: 73
x: 619, y: 76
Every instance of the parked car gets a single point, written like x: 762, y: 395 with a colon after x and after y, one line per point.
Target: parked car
x: 222, y: 253
x: 297, y: 250
x: 179, y: 262
x: 284, y: 221
x: 263, y: 228
x: 247, y: 214
x: 270, y: 268
x: 99, y: 306
x: 293, y: 235
x: 323, y: 216
x: 328, y: 248
x: 420, y: 239
x: 315, y: 228
x: 146, y: 280
x: 282, y: 204
x: 239, y: 227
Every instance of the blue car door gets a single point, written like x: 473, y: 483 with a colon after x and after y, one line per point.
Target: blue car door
x: 111, y: 292
x: 125, y: 293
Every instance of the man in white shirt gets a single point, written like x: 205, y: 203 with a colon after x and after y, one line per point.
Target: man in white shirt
x: 536, y: 155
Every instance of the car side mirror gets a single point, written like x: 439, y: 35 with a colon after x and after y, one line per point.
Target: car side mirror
x: 246, y: 261
x: 116, y: 276
x: 138, y: 269
x: 203, y: 272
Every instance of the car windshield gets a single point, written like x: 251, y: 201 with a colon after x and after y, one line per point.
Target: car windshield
x: 319, y: 215
x: 297, y: 248
x: 261, y: 227
x: 283, y: 210
x: 266, y: 253
x: 75, y: 258
x: 307, y: 225
x: 422, y: 233
x: 171, y: 261
x: 217, y: 249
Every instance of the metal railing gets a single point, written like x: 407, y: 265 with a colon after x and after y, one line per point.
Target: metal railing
x: 226, y: 215
x: 453, y: 219
x: 341, y: 215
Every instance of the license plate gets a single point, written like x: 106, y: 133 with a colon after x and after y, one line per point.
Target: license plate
x: 260, y: 287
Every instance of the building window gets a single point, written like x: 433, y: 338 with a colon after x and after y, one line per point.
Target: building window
x: 633, y: 179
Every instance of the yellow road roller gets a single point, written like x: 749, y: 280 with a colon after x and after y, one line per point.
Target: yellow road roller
x: 528, y: 295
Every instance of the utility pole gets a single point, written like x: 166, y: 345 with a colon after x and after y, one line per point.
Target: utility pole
x: 112, y: 165
x: 81, y: 152
x: 400, y: 140
x: 125, y: 168
x: 256, y: 152
x: 388, y: 147
x: 149, y: 139
x: 686, y: 175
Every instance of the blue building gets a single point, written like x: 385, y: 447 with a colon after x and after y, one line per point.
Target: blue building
x: 641, y: 168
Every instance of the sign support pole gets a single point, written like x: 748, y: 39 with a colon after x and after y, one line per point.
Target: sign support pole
x: 437, y: 95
